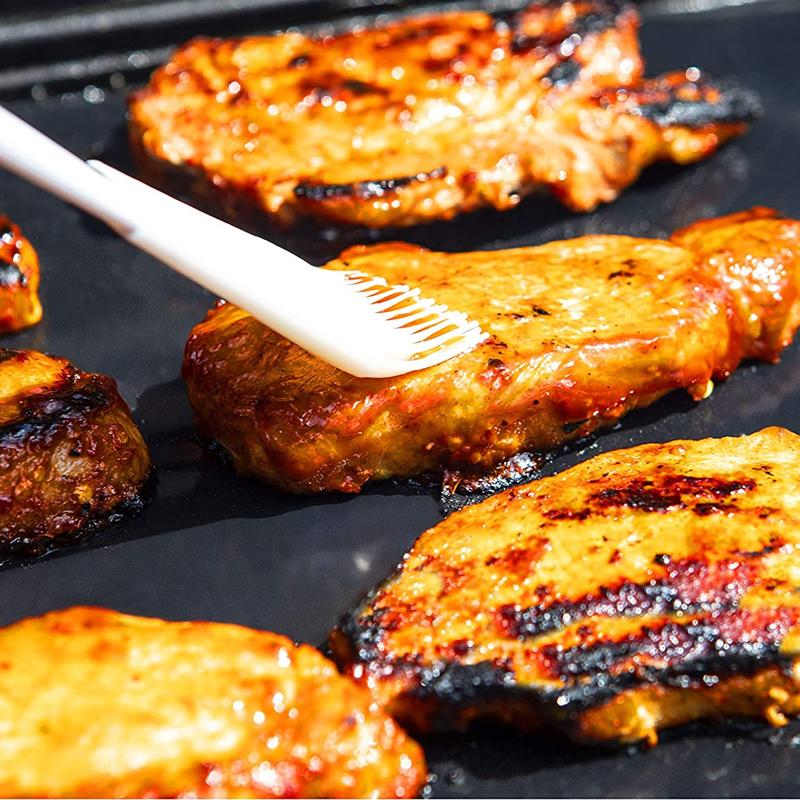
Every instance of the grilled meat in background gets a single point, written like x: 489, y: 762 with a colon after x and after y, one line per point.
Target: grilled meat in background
x: 580, y: 332
x: 641, y: 589
x: 19, y: 279
x: 100, y: 704
x: 427, y: 117
x: 71, y: 457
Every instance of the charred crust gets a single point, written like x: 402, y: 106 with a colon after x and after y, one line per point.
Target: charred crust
x: 363, y: 635
x: 363, y: 190
x: 710, y: 638
x: 43, y: 415
x: 462, y: 684
x: 563, y: 74
x: 603, y: 14
x: 695, y: 104
x: 698, y: 653
x: 8, y: 231
x: 362, y: 628
x: 701, y: 495
x: 360, y: 88
x: 669, y: 491
x: 8, y: 355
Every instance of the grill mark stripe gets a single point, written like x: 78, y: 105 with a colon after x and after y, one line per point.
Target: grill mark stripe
x: 722, y: 639
x: 363, y: 190
x: 689, y: 587
x: 44, y: 414
x: 669, y: 492
x: 700, y: 652
x: 704, y: 102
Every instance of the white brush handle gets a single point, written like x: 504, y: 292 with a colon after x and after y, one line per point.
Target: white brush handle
x: 225, y: 260
x: 328, y: 312
x: 32, y: 155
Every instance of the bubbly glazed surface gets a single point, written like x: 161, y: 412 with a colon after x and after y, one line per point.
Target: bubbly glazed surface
x: 427, y: 116
x: 99, y: 704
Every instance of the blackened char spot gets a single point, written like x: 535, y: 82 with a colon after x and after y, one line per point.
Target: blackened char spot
x: 11, y: 274
x: 363, y: 190
x: 641, y: 498
x: 363, y: 634
x: 730, y: 103
x: 539, y: 311
x: 668, y: 492
x: 605, y: 14
x: 361, y: 88
x: 44, y: 414
x: 461, y: 647
x: 564, y: 73
x: 462, y: 684
x: 299, y: 61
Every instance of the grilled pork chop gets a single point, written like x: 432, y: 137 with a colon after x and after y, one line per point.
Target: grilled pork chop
x: 427, y: 117
x: 581, y: 332
x: 19, y: 279
x: 71, y: 457
x: 641, y: 589
x: 99, y: 704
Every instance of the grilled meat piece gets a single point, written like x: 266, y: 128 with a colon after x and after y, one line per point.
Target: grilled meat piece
x: 426, y: 117
x: 641, y: 589
x: 19, y: 279
x: 581, y: 332
x: 100, y: 704
x: 71, y: 457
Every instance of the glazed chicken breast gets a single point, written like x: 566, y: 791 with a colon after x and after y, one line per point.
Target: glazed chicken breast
x: 19, y: 279
x: 71, y: 457
x: 99, y: 704
x: 641, y: 589
x: 426, y: 117
x: 579, y: 333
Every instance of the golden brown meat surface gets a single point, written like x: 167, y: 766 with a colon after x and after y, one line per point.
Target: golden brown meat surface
x: 641, y: 589
x: 428, y: 116
x: 99, y: 704
x: 581, y: 332
x: 71, y: 457
x: 19, y: 279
